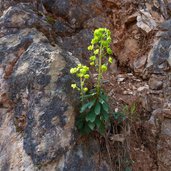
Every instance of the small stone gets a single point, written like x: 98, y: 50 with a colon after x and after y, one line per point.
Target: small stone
x: 116, y: 109
x: 139, y: 64
x: 117, y: 138
x: 120, y: 79
x: 155, y: 84
x: 143, y: 88
x: 130, y: 74
x: 131, y: 18
x: 128, y: 92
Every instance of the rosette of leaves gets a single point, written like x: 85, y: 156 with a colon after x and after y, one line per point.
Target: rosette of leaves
x: 94, y: 114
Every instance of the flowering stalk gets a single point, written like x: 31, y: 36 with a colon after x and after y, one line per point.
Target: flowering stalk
x: 100, y: 47
x: 81, y: 71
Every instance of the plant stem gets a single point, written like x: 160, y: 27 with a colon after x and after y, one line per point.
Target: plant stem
x: 81, y: 89
x: 99, y: 70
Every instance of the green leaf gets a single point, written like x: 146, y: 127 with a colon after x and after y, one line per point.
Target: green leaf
x: 128, y: 169
x: 91, y: 125
x: 120, y: 117
x: 101, y: 129
x: 85, y: 130
x: 84, y: 107
x: 87, y: 105
x: 105, y: 107
x: 89, y: 95
x: 91, y: 116
x: 105, y: 115
x: 97, y: 108
x: 101, y: 100
x: 103, y: 96
x: 116, y: 115
x: 97, y: 122
x: 91, y: 103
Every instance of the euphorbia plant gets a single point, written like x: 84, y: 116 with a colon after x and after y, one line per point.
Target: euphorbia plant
x: 94, y: 112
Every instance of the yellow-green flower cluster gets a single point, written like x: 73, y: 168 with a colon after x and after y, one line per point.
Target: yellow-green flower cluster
x: 81, y: 71
x: 100, y: 45
x: 92, y: 60
x: 104, y: 68
x: 110, y: 60
x: 101, y: 36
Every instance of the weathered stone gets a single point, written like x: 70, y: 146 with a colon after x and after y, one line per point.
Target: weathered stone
x: 157, y: 9
x: 82, y: 38
x: 76, y: 14
x: 146, y: 103
x: 145, y: 21
x: 76, y: 158
x: 155, y: 83
x: 146, y: 87
x: 139, y: 64
x: 163, y: 146
x: 97, y: 22
x: 5, y: 4
x: 130, y: 48
x: 165, y: 26
x: 76, y: 23
x: 33, y: 85
x: 160, y: 52
x: 62, y: 28
x: 32, y: 65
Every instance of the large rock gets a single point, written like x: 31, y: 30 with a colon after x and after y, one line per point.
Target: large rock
x: 158, y: 69
x: 37, y: 117
x: 33, y: 73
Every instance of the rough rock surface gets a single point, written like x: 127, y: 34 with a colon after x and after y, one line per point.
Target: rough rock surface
x: 37, y: 118
x: 41, y: 40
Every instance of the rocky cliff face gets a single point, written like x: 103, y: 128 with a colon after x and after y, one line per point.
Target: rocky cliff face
x: 41, y: 40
